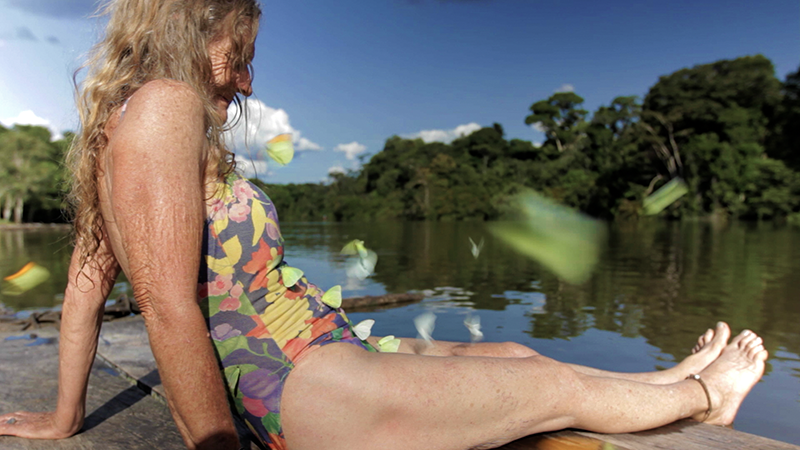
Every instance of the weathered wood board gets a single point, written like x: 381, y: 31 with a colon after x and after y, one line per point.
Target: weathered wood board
x: 124, y: 345
x: 683, y: 435
x: 124, y: 416
x: 119, y: 415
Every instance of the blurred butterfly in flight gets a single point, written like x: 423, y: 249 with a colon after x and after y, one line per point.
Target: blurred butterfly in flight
x: 363, y: 262
x: 281, y: 149
x: 27, y: 278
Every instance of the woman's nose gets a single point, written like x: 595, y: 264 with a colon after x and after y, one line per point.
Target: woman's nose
x: 244, y: 83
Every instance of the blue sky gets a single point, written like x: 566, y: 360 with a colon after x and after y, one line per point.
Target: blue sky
x: 345, y: 75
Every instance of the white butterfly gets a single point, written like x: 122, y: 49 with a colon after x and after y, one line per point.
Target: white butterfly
x: 364, y: 329
x: 476, y: 248
x: 425, y: 324
x: 364, y: 261
x: 473, y: 324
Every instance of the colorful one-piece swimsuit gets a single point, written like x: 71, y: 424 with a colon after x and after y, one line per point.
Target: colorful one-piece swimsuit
x: 259, y: 327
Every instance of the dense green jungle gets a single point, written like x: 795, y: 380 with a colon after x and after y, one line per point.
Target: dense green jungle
x: 724, y: 127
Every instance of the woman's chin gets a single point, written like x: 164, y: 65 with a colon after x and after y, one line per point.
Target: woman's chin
x: 222, y: 110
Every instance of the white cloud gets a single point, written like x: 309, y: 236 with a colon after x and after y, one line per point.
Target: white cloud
x: 566, y: 87
x: 538, y: 127
x: 351, y: 150
x: 30, y: 118
x: 446, y: 136
x: 263, y: 123
x: 303, y: 144
x: 336, y: 169
x: 251, y: 168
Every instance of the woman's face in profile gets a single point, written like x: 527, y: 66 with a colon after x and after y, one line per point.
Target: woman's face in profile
x: 227, y: 80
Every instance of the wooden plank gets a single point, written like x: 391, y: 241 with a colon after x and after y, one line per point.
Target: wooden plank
x: 688, y: 434
x: 124, y: 344
x: 561, y: 440
x: 120, y: 416
x: 684, y: 435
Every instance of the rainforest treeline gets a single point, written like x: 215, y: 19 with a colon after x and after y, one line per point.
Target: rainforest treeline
x: 730, y: 129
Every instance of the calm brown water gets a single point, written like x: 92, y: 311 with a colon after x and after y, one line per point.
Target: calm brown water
x: 657, y: 288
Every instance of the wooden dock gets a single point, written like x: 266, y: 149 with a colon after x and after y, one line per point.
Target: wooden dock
x: 126, y: 407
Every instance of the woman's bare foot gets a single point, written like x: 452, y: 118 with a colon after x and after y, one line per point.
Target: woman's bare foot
x: 704, y: 339
x: 731, y: 376
x: 709, y: 347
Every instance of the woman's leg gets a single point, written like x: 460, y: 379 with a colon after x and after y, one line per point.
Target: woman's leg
x: 347, y: 398
x: 707, y: 349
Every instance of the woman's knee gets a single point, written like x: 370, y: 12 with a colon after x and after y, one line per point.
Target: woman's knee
x: 493, y: 349
x: 515, y: 350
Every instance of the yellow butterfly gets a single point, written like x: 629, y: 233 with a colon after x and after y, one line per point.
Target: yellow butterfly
x: 30, y: 276
x: 290, y: 275
x: 364, y: 329
x: 389, y: 344
x: 333, y: 297
x: 281, y: 149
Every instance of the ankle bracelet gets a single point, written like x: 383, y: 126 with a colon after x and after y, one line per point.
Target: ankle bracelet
x: 705, y: 389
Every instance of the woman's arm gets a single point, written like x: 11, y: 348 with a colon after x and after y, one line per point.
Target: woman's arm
x: 82, y: 314
x: 157, y: 198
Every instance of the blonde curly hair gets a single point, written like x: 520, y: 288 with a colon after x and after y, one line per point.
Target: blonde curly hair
x: 148, y: 40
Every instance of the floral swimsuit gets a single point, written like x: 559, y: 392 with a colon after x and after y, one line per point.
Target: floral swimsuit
x: 259, y: 327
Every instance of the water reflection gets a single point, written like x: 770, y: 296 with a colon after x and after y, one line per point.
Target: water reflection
x: 49, y: 248
x: 658, y: 286
x: 663, y: 281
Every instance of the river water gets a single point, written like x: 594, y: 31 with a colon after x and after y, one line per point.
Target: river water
x: 658, y: 286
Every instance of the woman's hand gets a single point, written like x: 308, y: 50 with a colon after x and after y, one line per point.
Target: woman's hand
x: 33, y: 425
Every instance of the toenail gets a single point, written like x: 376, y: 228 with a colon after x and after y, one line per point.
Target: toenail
x: 746, y: 333
x: 719, y: 324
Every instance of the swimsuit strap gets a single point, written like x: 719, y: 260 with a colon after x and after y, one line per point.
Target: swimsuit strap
x: 124, y: 108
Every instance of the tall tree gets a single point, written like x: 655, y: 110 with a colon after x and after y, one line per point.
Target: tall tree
x: 28, y: 167
x: 785, y: 139
x: 713, y: 119
x: 561, y: 119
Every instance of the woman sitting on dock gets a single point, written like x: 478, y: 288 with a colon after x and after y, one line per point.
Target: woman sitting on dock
x: 156, y: 196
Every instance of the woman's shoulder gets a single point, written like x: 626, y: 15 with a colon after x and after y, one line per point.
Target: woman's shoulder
x: 165, y: 96
x: 162, y: 108
x: 162, y: 114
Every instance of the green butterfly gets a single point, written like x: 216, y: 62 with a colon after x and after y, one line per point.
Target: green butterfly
x: 333, y: 297
x: 281, y: 149
x: 290, y: 275
x: 389, y: 344
x: 355, y: 247
x: 27, y: 278
x: 563, y: 240
x: 664, y: 196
